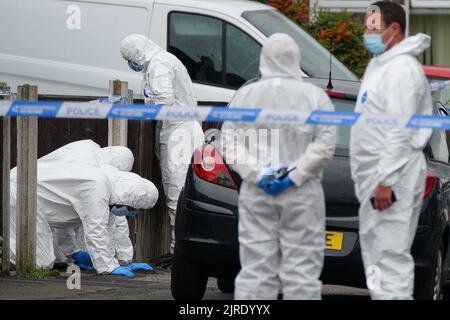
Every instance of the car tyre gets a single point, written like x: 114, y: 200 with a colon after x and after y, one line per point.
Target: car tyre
x: 428, y: 284
x: 188, y: 279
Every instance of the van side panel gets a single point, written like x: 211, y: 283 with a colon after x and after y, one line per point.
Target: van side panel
x: 69, y: 47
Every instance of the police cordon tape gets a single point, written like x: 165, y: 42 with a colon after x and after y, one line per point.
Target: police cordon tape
x: 439, y: 85
x: 434, y: 86
x: 98, y: 110
x: 115, y: 107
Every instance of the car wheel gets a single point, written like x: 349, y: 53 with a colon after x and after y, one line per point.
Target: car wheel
x: 226, y: 284
x: 429, y: 283
x: 188, y: 279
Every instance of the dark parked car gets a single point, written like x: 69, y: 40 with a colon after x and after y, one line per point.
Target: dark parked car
x: 207, y: 218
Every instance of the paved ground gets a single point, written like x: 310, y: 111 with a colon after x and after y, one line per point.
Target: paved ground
x: 153, y: 285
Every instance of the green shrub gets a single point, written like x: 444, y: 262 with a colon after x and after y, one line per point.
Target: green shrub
x: 339, y: 32
x: 342, y: 34
x: 39, y: 274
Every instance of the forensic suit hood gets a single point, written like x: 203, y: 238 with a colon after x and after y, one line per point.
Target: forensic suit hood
x: 88, y: 152
x: 117, y: 156
x: 132, y: 190
x: 280, y: 57
x: 139, y: 49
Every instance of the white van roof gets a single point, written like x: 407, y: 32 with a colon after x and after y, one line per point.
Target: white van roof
x: 231, y: 7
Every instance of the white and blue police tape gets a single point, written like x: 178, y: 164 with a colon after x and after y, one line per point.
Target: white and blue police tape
x: 6, y: 92
x: 116, y: 107
x: 111, y: 99
x: 439, y: 85
x: 97, y: 110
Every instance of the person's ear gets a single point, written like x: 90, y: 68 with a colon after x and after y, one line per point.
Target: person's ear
x: 397, y: 30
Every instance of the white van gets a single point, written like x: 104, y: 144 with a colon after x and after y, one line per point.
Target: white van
x: 72, y: 47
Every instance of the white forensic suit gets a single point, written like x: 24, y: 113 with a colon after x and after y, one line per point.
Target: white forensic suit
x: 166, y: 82
x: 394, y: 84
x: 70, y: 240
x: 281, y: 238
x: 73, y: 195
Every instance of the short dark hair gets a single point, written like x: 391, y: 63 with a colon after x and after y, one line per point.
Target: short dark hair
x: 392, y: 12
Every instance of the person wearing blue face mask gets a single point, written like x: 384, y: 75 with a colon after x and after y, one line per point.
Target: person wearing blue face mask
x: 388, y: 163
x: 72, y: 195
x: 69, y: 242
x: 135, y: 67
x: 166, y: 82
x: 375, y: 42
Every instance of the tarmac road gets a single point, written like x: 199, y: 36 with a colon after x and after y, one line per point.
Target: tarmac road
x: 154, y: 285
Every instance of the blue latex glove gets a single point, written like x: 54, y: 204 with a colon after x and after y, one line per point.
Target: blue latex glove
x: 123, y: 211
x: 263, y: 181
x: 134, y: 266
x: 122, y: 271
x: 278, y: 186
x: 83, y: 260
x: 83, y: 267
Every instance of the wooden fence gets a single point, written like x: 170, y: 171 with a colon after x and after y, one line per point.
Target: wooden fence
x: 150, y: 232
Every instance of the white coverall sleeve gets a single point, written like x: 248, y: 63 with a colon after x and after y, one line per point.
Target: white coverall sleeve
x: 235, y: 152
x: 122, y: 242
x: 94, y: 213
x: 160, y: 83
x: 404, y: 89
x: 319, y: 151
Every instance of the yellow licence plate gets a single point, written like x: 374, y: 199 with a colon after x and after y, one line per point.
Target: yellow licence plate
x: 333, y: 240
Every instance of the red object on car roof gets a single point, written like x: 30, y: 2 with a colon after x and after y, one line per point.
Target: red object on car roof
x: 437, y: 71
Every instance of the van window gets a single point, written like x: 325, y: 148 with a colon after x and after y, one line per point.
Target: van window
x: 241, y: 65
x: 315, y: 58
x: 211, y: 50
x: 197, y: 41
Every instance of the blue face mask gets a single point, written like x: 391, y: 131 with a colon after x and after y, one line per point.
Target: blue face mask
x: 135, y: 67
x: 374, y: 42
x: 123, y: 211
x: 132, y: 213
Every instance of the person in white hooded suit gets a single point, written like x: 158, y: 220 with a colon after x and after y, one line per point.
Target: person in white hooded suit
x: 387, y: 161
x: 281, y: 230
x: 166, y: 82
x: 71, y: 195
x: 68, y: 241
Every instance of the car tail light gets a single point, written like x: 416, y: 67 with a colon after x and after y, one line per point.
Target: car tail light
x: 429, y: 185
x: 334, y: 94
x: 209, y: 166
